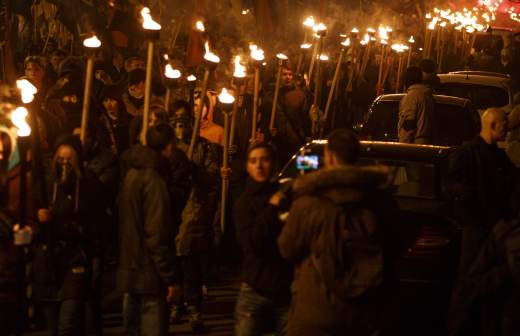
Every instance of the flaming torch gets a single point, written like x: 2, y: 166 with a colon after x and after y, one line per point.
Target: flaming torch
x: 152, y: 30
x: 238, y: 78
x: 227, y: 102
x: 258, y: 56
x: 399, y: 49
x: 345, y: 44
x: 27, y: 90
x: 210, y: 63
x: 281, y: 59
x: 411, y: 41
x: 384, y: 42
x: 91, y: 44
x: 320, y: 31
x: 171, y: 75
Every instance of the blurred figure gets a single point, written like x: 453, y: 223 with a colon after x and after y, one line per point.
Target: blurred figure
x: 513, y: 139
x: 114, y: 121
x: 263, y: 301
x: 429, y: 72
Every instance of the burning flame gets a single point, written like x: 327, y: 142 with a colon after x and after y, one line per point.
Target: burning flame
x: 27, y: 90
x: 209, y: 56
x: 225, y: 97
x: 172, y: 73
x: 166, y: 57
x: 306, y: 46
x: 200, y: 26
x: 18, y: 119
x: 383, y: 33
x: 240, y: 70
x: 399, y: 47
x: 355, y: 31
x: 365, y: 40
x: 346, y: 43
x: 256, y: 54
x: 92, y: 42
x: 281, y: 56
x: 324, y: 57
x: 432, y: 24
x: 319, y: 27
x: 148, y: 22
x: 309, y: 22
x: 411, y: 40
x: 191, y: 78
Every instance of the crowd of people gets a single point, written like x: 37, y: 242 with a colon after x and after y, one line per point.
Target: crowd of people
x: 151, y: 208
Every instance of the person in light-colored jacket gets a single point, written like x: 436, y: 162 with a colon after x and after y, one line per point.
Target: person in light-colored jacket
x: 416, y: 123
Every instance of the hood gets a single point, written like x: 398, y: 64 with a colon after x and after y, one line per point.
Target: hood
x: 142, y: 157
x: 342, y: 184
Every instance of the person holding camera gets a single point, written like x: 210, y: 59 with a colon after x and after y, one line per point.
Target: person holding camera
x: 337, y: 233
x: 264, y: 295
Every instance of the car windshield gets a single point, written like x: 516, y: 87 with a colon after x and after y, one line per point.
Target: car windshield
x: 454, y: 124
x: 482, y: 96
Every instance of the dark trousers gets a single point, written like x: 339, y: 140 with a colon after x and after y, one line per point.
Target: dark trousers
x: 145, y: 315
x: 65, y: 318
x: 193, y: 271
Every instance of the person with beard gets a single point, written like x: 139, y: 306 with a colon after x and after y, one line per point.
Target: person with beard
x: 146, y: 273
x: 63, y: 249
x: 195, y: 238
x: 114, y: 121
x: 292, y: 123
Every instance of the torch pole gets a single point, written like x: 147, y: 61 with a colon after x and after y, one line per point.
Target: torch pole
x: 313, y: 59
x: 381, y: 64
x: 399, y: 70
x: 86, y: 98
x: 147, y: 92
x: 225, y: 166
x: 255, y: 103
x: 409, y: 56
x: 332, y: 89
x: 198, y: 114
x: 23, y: 144
x: 276, y: 92
x: 234, y: 121
x: 167, y: 98
x: 300, y: 61
x: 366, y: 58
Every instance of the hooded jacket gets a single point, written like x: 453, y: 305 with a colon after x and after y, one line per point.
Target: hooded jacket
x: 146, y: 231
x: 416, y: 122
x: 337, y: 234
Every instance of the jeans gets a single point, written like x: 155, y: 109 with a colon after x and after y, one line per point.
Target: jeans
x: 254, y: 312
x: 145, y: 315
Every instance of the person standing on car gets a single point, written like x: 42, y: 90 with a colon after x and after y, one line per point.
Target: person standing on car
x: 146, y: 261
x: 416, y: 122
x: 264, y: 295
x: 338, y: 234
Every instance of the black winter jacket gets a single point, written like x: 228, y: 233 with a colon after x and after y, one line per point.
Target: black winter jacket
x: 146, y: 231
x: 258, y: 227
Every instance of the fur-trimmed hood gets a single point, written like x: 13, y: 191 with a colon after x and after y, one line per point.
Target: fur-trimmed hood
x: 342, y: 184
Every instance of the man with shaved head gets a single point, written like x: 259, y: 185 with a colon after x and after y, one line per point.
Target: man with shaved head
x: 482, y: 179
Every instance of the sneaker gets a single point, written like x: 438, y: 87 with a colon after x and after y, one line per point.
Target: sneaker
x: 176, y: 314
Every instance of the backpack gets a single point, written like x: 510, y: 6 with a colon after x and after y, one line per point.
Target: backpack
x: 351, y: 260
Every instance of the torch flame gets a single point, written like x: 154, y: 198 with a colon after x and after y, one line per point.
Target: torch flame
x: 411, y: 40
x: 200, y: 26
x: 346, y: 43
x: 148, y: 22
x: 18, y: 119
x: 309, y: 22
x: 209, y: 56
x: 27, y: 90
x: 355, y: 30
x: 225, y: 97
x: 306, y: 46
x: 281, y: 56
x: 92, y: 42
x: 319, y: 27
x: 399, y: 48
x: 191, y: 78
x: 383, y: 33
x: 256, y: 54
x: 324, y: 57
x: 172, y: 73
x: 240, y: 70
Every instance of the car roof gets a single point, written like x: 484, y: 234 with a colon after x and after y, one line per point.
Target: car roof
x: 438, y: 99
x: 394, y: 150
x: 480, y: 73
x: 500, y: 82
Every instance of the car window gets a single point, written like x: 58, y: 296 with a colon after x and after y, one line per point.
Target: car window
x: 409, y: 179
x: 482, y: 96
x: 382, y: 123
x: 454, y: 124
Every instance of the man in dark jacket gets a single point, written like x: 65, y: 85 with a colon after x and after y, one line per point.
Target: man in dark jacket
x: 336, y: 232
x: 146, y: 262
x: 264, y: 295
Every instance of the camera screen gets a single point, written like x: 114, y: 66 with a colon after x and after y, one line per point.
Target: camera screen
x: 307, y: 162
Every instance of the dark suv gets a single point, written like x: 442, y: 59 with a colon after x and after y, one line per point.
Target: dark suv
x: 455, y: 120
x: 428, y: 234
